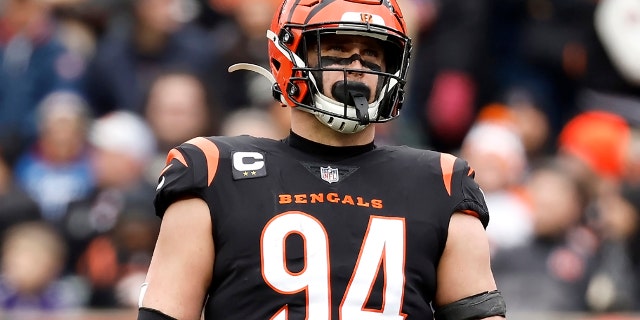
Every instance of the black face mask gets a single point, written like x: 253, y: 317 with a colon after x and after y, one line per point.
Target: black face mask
x: 326, y: 61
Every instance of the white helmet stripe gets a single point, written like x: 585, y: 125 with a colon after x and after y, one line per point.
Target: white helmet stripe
x: 286, y: 52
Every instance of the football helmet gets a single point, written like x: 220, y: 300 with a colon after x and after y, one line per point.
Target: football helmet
x: 296, y: 34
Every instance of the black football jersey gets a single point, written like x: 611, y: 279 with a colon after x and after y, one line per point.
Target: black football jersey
x: 301, y: 234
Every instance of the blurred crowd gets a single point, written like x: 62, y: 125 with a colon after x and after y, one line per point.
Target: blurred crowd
x: 542, y: 97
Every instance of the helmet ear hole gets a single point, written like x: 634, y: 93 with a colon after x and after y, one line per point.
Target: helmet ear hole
x: 286, y: 36
x: 293, y: 89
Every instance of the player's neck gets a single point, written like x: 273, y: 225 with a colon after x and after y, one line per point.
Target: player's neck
x: 307, y: 126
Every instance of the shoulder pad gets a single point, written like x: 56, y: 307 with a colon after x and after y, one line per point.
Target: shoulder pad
x: 190, y: 169
x: 458, y: 178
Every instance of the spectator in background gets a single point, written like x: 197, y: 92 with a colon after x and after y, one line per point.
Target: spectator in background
x: 632, y: 158
x: 532, y: 125
x: 596, y: 147
x: 131, y: 55
x: 79, y: 24
x: 611, y: 81
x: 495, y: 150
x: 447, y: 62
x: 550, y: 272
x: 123, y: 145
x: 209, y: 15
x: 115, y: 262
x: 592, y: 154
x: 134, y: 238
x: 614, y: 213
x: 33, y: 64
x: 255, y: 122
x: 177, y: 109
x: 56, y: 170
x: 15, y: 205
x: 539, y: 52
x: 241, y: 39
x: 617, y: 26
x: 596, y: 144
x: 615, y: 285
x: 33, y: 256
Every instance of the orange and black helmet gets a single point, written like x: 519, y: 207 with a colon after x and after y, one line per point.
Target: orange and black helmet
x: 298, y: 24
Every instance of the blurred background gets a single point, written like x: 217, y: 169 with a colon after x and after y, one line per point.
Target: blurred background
x: 542, y: 97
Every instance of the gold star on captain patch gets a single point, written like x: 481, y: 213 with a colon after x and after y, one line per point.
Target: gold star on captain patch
x: 253, y: 173
x: 245, y: 173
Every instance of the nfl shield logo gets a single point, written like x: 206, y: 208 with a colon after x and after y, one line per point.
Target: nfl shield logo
x: 329, y: 174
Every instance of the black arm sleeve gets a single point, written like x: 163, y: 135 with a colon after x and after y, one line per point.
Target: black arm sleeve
x: 479, y: 306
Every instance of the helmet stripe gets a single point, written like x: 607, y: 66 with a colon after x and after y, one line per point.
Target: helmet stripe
x: 317, y: 8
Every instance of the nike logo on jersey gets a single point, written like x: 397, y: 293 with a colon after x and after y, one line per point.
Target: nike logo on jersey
x: 160, y: 184
x: 330, y: 173
x: 247, y: 165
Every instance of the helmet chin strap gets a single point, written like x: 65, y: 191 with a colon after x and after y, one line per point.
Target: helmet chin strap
x: 362, y: 107
x: 353, y: 93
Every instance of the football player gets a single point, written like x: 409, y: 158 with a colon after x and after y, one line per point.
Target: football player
x: 323, y: 224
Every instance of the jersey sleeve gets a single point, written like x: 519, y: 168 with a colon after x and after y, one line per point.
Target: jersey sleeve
x: 467, y: 195
x: 189, y: 171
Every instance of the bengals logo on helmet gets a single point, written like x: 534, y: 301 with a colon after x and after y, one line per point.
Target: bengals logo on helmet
x: 366, y: 17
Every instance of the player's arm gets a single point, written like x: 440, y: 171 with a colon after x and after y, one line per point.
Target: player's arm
x: 182, y: 263
x: 465, y: 281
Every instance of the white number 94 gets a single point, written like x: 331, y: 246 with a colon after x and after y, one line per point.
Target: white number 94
x: 383, y: 246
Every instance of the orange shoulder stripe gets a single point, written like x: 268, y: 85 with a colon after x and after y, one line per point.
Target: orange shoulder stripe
x: 211, y: 154
x: 446, y: 162
x: 175, y: 154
